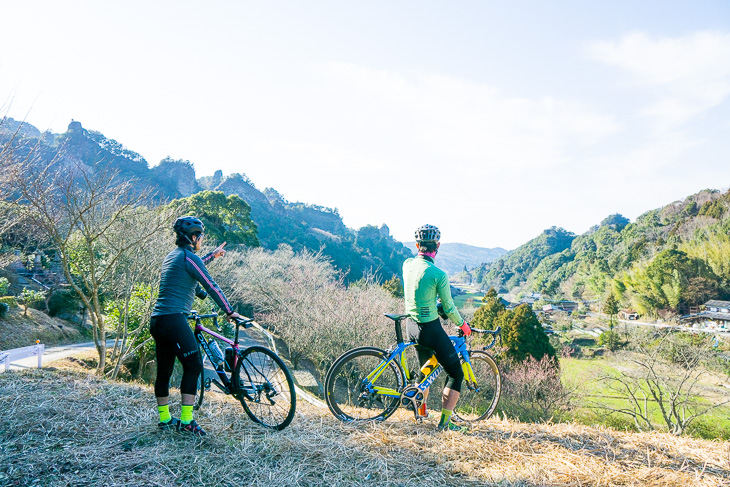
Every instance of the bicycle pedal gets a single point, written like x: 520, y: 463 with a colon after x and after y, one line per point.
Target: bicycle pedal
x: 206, y: 384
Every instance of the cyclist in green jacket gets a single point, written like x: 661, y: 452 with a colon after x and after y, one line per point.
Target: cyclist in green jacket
x: 423, y: 284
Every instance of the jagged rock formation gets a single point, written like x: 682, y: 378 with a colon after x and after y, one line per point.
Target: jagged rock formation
x: 300, y: 225
x: 178, y: 176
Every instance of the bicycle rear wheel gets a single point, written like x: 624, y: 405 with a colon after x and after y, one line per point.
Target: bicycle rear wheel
x: 265, y: 387
x: 352, y: 396
x: 478, y: 401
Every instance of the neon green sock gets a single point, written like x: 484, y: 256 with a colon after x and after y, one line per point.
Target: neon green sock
x: 186, y: 415
x: 445, y: 416
x: 164, y: 413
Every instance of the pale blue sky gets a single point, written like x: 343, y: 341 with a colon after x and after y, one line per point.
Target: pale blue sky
x: 492, y: 120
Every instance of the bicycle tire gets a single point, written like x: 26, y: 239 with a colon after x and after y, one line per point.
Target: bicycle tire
x: 344, y: 386
x: 477, y: 404
x: 265, y: 387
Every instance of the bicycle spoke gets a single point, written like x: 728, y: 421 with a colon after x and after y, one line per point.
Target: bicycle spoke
x: 355, y: 393
x: 479, y: 399
x: 268, y: 396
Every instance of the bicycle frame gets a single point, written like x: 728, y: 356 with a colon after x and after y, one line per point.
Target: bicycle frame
x: 398, y: 354
x: 200, y: 330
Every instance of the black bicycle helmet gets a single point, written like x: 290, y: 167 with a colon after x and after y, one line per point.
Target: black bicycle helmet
x: 187, y: 225
x: 428, y: 233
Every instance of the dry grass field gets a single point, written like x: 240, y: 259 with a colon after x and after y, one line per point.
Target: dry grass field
x: 62, y: 426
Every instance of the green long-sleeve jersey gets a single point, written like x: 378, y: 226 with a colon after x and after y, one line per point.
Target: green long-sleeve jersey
x: 423, y: 282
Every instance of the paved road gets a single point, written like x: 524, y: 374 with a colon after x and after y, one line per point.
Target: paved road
x: 664, y: 325
x: 55, y: 353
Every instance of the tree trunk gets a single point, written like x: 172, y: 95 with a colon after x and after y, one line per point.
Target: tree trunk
x: 99, y: 340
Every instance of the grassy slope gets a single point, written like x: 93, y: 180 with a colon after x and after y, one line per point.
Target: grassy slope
x: 65, y: 427
x: 17, y: 330
x: 591, y: 392
x: 461, y: 300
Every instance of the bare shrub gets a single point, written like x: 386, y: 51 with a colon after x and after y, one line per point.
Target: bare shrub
x: 532, y: 390
x: 97, y: 223
x: 303, y: 299
x: 665, y: 380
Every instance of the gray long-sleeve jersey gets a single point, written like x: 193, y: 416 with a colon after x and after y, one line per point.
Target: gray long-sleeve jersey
x: 182, y: 270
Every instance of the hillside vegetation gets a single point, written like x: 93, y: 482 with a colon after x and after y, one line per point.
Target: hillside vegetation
x: 669, y: 260
x: 17, y: 330
x: 65, y: 427
x: 278, y: 221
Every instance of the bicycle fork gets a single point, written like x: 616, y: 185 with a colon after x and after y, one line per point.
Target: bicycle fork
x: 469, y: 377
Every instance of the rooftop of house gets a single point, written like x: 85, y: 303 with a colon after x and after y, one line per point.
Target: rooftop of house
x: 707, y: 315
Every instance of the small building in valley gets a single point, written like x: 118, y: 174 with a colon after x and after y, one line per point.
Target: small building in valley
x: 628, y: 315
x: 714, y: 316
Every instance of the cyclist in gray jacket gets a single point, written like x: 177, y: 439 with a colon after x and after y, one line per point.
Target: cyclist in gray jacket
x: 183, y: 274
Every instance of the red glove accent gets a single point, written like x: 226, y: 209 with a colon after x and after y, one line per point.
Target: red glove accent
x: 465, y: 328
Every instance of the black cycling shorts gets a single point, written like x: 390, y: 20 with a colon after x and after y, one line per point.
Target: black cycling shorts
x: 174, y: 338
x: 432, y: 339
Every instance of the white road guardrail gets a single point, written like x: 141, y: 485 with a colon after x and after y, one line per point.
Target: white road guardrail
x: 9, y: 356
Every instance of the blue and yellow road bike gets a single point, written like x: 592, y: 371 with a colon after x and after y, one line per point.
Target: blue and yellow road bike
x: 368, y: 384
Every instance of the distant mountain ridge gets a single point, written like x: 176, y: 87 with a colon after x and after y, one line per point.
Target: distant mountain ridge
x: 300, y: 225
x: 454, y: 257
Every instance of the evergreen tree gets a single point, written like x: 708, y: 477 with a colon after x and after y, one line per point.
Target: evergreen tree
x: 523, y: 334
x: 226, y: 218
x: 487, y: 314
x: 611, y: 309
x: 394, y: 286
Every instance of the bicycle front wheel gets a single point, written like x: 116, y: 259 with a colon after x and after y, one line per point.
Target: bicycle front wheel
x: 479, y: 399
x: 360, y: 386
x: 265, y: 387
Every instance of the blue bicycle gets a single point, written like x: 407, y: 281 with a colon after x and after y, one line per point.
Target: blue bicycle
x: 368, y: 384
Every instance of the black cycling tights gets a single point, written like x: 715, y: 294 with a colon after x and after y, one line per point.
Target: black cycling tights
x: 174, y: 338
x: 432, y: 339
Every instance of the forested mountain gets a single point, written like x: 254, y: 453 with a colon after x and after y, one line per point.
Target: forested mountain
x: 511, y: 270
x: 278, y: 221
x: 670, y: 259
x: 455, y: 257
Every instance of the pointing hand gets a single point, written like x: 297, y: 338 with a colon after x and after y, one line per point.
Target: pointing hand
x: 219, y: 251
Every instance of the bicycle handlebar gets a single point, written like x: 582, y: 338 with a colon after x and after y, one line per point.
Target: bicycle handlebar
x: 495, y: 333
x: 194, y: 315
x: 242, y: 321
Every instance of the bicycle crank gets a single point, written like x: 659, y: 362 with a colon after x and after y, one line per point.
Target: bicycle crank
x: 412, y: 398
